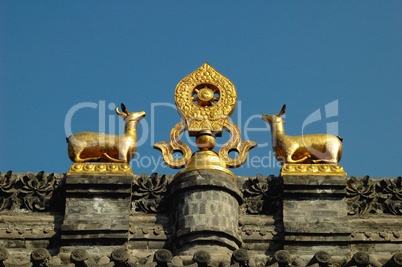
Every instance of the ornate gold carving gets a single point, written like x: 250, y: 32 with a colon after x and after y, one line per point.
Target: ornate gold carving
x: 235, y: 144
x: 310, y: 148
x: 205, y: 100
x: 175, y: 145
x: 89, y: 146
x: 100, y: 168
x: 313, y: 169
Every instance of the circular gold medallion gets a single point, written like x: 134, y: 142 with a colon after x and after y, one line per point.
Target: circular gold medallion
x: 206, y: 96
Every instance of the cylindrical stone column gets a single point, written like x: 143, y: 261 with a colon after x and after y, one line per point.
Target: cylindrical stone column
x: 205, y: 205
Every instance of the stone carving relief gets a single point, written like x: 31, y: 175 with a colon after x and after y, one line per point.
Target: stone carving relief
x: 377, y: 236
x: 164, y: 258
x: 262, y: 195
x: 365, y: 195
x: 34, y: 192
x: 149, y: 231
x: 149, y: 193
x: 390, y: 195
x: 283, y: 258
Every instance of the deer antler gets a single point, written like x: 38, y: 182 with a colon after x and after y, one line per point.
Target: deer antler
x: 124, y: 109
x: 282, y: 110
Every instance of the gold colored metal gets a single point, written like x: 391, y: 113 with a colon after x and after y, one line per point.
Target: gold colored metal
x: 205, y: 99
x: 235, y: 144
x: 306, y: 149
x: 313, y: 169
x: 175, y: 145
x: 100, y: 168
x: 206, y: 160
x: 95, y: 147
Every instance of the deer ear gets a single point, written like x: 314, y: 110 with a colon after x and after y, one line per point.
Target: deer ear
x: 282, y: 110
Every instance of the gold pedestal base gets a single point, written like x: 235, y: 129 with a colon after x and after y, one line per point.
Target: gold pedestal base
x: 312, y: 169
x: 100, y: 168
x: 206, y: 160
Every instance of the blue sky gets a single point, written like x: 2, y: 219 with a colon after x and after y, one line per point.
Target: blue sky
x: 56, y: 55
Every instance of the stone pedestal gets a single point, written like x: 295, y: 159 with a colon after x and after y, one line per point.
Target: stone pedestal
x: 315, y: 215
x: 97, y: 210
x: 206, y: 212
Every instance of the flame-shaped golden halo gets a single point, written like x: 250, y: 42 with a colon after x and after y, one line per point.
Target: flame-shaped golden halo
x: 205, y: 99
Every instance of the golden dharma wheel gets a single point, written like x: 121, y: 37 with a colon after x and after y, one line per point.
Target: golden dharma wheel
x: 205, y: 99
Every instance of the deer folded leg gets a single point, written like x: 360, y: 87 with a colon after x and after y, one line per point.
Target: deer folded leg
x: 113, y: 159
x: 290, y: 160
x: 77, y: 159
x: 330, y: 156
x: 328, y: 161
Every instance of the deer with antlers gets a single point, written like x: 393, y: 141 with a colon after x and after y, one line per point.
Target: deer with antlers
x: 90, y: 146
x: 310, y: 148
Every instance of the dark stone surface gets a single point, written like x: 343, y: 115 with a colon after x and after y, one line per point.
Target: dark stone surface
x: 214, y: 179
x: 97, y: 209
x: 120, y: 255
x: 282, y: 257
x: 3, y: 254
x: 322, y: 257
x: 313, y: 187
x: 206, y: 207
x: 201, y: 257
x: 163, y: 256
x: 240, y: 256
x: 312, y: 218
x: 361, y: 258
x: 314, y: 214
x: 397, y: 259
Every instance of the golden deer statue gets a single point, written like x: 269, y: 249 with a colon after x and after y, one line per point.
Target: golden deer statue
x: 310, y: 148
x: 90, y: 146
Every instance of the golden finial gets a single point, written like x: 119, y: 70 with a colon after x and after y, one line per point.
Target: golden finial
x: 205, y: 100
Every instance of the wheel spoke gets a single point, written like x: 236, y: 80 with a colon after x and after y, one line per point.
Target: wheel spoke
x: 206, y: 96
